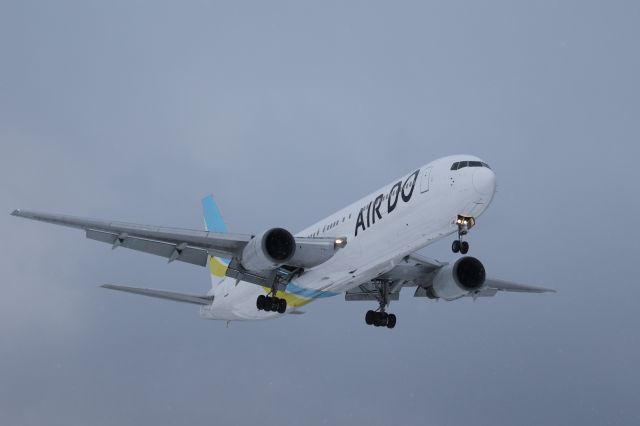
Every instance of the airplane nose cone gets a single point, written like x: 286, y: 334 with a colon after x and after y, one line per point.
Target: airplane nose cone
x: 484, y: 181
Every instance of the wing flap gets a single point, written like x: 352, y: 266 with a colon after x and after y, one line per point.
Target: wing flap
x: 169, y: 251
x: 352, y: 296
x: 161, y: 294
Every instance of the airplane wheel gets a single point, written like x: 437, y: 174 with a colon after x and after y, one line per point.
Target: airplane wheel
x: 377, y: 319
x: 260, y: 302
x: 381, y: 319
x: 268, y: 304
x: 391, y: 321
x: 464, y: 247
x: 282, y: 306
x: 455, y: 247
x: 369, y: 318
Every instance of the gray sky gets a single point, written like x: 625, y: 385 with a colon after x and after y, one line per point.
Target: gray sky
x: 287, y: 111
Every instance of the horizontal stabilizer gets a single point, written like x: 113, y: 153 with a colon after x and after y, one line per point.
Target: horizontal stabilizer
x: 161, y: 294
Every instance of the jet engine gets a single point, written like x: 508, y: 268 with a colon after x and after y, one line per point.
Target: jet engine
x: 459, y: 279
x: 268, y: 250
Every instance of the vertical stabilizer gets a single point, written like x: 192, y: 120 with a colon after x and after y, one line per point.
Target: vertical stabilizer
x: 213, y: 222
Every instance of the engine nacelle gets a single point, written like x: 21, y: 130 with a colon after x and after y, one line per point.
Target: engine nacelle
x: 268, y: 250
x: 459, y: 279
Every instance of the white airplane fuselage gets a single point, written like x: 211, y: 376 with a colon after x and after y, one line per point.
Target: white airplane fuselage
x: 381, y: 229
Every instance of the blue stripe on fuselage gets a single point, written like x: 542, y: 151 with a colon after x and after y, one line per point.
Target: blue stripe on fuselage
x: 308, y: 293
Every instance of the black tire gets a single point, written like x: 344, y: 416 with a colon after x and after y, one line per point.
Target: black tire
x: 464, y: 247
x: 260, y: 302
x: 377, y: 319
x: 385, y: 319
x: 381, y: 319
x: 455, y: 246
x: 282, y: 306
x: 370, y: 317
x: 268, y: 304
x: 391, y: 321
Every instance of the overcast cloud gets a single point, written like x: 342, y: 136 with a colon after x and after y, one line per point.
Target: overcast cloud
x: 287, y: 111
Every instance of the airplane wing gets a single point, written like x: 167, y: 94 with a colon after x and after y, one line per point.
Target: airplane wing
x: 185, y: 245
x: 418, y: 272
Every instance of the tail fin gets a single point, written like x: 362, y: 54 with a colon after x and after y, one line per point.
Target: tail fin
x: 213, y: 222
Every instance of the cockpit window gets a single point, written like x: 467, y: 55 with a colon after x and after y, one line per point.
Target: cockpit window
x: 462, y: 164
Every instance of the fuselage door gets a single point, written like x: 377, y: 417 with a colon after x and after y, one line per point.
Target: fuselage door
x: 424, y: 180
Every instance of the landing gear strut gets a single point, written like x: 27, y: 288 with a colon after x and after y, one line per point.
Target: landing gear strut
x: 379, y: 317
x: 464, y: 224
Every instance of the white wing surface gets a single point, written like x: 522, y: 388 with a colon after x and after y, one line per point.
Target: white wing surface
x: 185, y: 245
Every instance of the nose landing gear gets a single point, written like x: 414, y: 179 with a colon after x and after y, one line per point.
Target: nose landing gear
x: 460, y: 246
x: 464, y: 224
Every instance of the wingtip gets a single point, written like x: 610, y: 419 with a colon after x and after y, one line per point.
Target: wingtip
x: 16, y: 212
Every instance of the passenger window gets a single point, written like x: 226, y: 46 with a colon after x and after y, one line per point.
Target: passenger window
x: 454, y: 166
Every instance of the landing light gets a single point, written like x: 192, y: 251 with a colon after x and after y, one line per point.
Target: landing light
x: 467, y: 222
x: 341, y: 242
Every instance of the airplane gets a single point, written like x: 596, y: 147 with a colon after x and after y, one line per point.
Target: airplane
x: 366, y: 251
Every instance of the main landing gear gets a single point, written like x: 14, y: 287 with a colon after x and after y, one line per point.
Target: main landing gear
x: 271, y: 304
x: 279, y: 281
x: 464, y: 224
x: 379, y: 317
